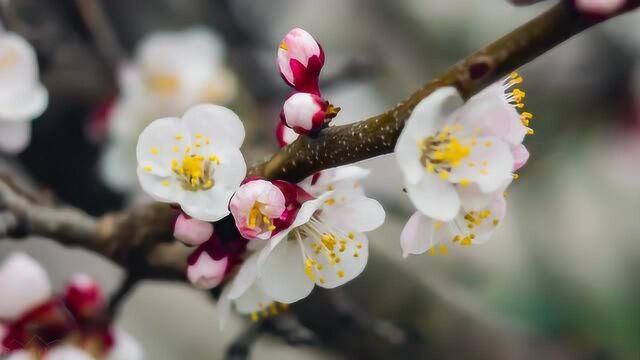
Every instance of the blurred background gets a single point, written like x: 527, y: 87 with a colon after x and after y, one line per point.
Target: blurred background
x: 559, y: 280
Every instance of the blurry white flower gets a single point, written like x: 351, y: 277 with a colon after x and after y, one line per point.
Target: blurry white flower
x: 448, y: 147
x: 300, y: 60
x: 24, y: 284
x: 22, y: 96
x: 306, y: 113
x: 194, y: 161
x: 67, y: 352
x: 285, y: 135
x: 172, y: 72
x: 192, y: 231
x: 325, y: 246
x: 422, y: 233
x: 255, y: 206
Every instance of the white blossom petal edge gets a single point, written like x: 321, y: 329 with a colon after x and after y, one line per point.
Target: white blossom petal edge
x: 194, y: 161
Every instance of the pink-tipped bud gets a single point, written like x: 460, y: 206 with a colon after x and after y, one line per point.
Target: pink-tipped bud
x: 255, y: 207
x: 83, y: 297
x: 192, y: 231
x: 300, y: 59
x: 600, y: 7
x: 205, y: 272
x: 520, y: 156
x: 285, y: 135
x: 306, y: 113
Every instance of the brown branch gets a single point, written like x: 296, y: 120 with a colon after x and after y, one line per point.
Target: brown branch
x: 341, y: 145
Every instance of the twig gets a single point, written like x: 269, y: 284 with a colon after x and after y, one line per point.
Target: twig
x: 125, y: 288
x: 104, y: 36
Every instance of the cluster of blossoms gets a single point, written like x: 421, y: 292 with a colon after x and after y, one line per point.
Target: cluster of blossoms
x: 22, y: 96
x: 171, y: 72
x: 36, y: 324
x: 305, y: 112
x: 270, y: 242
x: 457, y: 159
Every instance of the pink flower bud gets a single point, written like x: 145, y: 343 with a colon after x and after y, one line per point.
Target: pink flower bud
x: 306, y: 113
x: 83, y: 297
x: 300, y: 59
x: 205, y: 272
x: 192, y: 231
x: 255, y: 206
x: 285, y: 135
x: 600, y: 7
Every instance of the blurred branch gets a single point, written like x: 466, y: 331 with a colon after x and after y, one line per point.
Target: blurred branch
x: 103, y: 33
x: 340, y: 145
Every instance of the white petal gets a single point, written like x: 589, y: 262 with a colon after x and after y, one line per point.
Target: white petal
x: 14, y: 136
x: 164, y: 189
x: 29, y: 105
x: 489, y: 164
x: 282, y: 275
x: 126, y: 347
x: 217, y: 122
x: 154, y: 150
x: 252, y: 300
x: 67, y: 352
x: 498, y: 208
x: 231, y: 170
x: 207, y: 205
x: 245, y: 277
x: 20, y: 355
x: 472, y: 198
x: 362, y: 214
x: 435, y: 197
x: 24, y: 284
x: 417, y: 235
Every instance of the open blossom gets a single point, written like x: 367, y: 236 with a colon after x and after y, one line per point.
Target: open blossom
x: 171, y: 72
x: 285, y: 135
x: 325, y: 245
x: 307, y: 113
x: 22, y: 96
x: 448, y: 149
x: 300, y: 60
x: 211, y: 262
x: 472, y: 227
x: 32, y: 318
x: 255, y: 206
x: 194, y: 161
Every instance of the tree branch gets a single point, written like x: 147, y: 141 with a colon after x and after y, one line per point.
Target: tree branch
x: 341, y: 145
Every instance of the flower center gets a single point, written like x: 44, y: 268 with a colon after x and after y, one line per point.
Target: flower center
x: 257, y: 219
x: 283, y: 45
x: 163, y: 84
x: 442, y: 152
x: 8, y: 58
x: 196, y: 171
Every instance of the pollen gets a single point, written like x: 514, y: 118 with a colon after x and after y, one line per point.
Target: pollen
x: 179, y: 137
x: 283, y: 45
x: 340, y: 274
x: 465, y: 182
x: 155, y: 151
x: 330, y: 201
x: 166, y: 183
x: 148, y: 168
x: 308, y: 269
x: 444, y: 250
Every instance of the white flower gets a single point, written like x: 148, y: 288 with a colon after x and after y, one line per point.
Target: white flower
x: 422, y: 233
x: 448, y: 147
x: 194, y: 161
x: 192, y: 231
x: 285, y: 135
x: 324, y: 246
x: 172, y: 71
x: 254, y: 207
x: 22, y: 96
x: 24, y: 284
x: 300, y: 59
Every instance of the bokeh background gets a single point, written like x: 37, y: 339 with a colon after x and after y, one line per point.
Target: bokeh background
x: 559, y: 280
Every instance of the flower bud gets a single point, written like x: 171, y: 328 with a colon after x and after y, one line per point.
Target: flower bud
x: 83, y: 297
x: 285, y: 135
x: 192, y: 231
x: 205, y: 272
x: 300, y: 59
x: 306, y: 113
